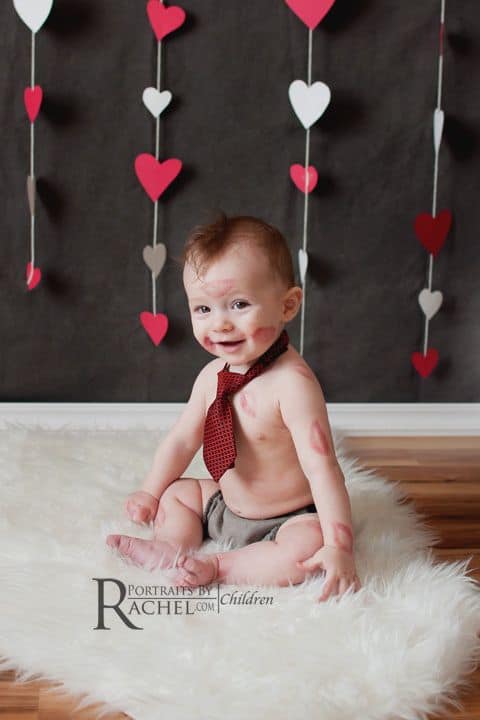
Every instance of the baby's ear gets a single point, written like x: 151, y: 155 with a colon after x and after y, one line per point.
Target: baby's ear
x: 292, y: 302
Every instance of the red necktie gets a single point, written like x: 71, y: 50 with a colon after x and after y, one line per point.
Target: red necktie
x: 219, y: 451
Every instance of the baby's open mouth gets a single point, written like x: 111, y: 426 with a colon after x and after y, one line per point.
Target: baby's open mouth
x: 230, y: 343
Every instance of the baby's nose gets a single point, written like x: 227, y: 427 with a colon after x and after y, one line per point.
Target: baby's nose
x: 222, y: 323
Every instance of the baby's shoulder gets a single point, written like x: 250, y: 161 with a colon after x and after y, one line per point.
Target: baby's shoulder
x: 290, y: 366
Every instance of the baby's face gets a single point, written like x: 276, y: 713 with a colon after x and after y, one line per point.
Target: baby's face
x: 237, y: 306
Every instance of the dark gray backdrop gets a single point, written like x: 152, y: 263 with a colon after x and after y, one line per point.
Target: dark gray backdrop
x: 77, y: 337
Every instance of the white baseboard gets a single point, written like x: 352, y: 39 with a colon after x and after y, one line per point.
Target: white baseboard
x: 352, y: 418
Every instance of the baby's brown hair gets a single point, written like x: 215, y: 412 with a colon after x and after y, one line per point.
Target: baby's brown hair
x: 207, y: 242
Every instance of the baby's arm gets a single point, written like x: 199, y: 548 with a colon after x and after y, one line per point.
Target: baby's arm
x: 173, y: 455
x: 304, y: 412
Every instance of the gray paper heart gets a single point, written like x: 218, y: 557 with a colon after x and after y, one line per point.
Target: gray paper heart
x: 430, y: 302
x: 31, y: 191
x: 154, y: 257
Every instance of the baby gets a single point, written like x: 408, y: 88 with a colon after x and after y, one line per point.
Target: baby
x: 281, y: 502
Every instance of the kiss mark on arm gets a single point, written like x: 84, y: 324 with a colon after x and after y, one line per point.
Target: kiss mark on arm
x: 318, y: 439
x: 304, y: 370
x: 342, y: 537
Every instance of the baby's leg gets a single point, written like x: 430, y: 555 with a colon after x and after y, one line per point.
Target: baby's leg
x: 261, y: 563
x: 177, y: 526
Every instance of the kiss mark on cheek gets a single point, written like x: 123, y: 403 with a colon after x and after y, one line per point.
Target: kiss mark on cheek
x: 208, y: 344
x: 304, y: 370
x: 318, y: 439
x: 342, y: 536
x: 217, y: 288
x: 247, y: 404
x: 264, y: 334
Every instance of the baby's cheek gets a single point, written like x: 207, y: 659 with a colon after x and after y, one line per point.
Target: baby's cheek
x: 208, y: 344
x: 264, y: 334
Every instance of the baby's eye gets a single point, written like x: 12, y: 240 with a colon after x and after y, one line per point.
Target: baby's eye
x: 241, y: 303
x: 202, y: 308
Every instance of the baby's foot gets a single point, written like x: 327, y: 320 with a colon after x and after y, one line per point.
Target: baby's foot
x: 194, y: 571
x: 149, y: 554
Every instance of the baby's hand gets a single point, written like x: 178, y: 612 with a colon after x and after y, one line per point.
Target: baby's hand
x: 141, y: 507
x: 340, y: 570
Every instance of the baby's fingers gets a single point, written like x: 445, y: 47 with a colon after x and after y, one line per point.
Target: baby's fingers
x: 329, y: 585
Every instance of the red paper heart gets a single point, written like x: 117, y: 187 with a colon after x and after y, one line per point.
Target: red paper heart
x: 155, y: 325
x: 155, y: 176
x: 164, y: 20
x: 301, y: 178
x: 311, y: 12
x: 32, y: 97
x: 432, y: 231
x: 36, y: 277
x: 424, y: 364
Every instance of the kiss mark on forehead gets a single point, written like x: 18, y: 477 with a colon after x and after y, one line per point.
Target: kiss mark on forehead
x: 217, y: 288
x: 264, y: 334
x: 318, y: 439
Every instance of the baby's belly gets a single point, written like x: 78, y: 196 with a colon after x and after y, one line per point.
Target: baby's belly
x: 267, y: 489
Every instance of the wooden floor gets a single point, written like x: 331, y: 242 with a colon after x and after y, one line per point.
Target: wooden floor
x: 441, y: 475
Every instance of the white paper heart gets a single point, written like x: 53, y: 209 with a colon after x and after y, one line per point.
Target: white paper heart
x: 438, y: 120
x: 31, y: 188
x: 430, y: 302
x: 309, y: 101
x: 33, y: 12
x: 156, y: 101
x: 154, y: 257
x: 302, y: 263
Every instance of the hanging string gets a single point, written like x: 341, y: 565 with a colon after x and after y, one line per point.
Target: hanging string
x: 32, y: 166
x: 157, y: 154
x: 305, y: 207
x: 437, y: 153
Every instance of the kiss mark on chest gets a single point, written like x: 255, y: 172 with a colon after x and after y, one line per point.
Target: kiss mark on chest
x: 247, y: 403
x: 318, y: 439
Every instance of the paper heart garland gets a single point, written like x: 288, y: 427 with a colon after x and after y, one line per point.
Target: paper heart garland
x: 430, y: 302
x: 34, y: 277
x: 32, y: 98
x: 155, y: 325
x: 438, y: 120
x: 424, y: 364
x: 302, y: 263
x: 155, y: 176
x: 154, y: 257
x: 305, y: 182
x: 311, y: 12
x: 164, y: 20
x: 432, y: 231
x: 33, y: 12
x: 31, y: 185
x: 155, y: 101
x: 309, y: 101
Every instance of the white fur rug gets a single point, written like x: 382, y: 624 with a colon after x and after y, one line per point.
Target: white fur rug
x: 398, y: 649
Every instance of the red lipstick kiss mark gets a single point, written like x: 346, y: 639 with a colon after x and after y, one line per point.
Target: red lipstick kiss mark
x: 208, y: 344
x: 343, y: 537
x: 217, y: 288
x: 264, y: 334
x: 318, y: 440
x: 304, y: 370
x: 247, y: 404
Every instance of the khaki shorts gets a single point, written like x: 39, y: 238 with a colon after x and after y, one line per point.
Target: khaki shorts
x: 222, y: 525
